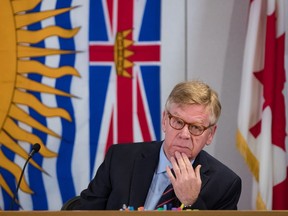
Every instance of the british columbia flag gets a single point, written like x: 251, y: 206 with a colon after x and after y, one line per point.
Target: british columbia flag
x: 85, y: 75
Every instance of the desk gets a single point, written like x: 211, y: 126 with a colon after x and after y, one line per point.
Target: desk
x: 143, y: 213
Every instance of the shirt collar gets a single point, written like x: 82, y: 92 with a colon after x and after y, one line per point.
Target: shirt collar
x: 163, y: 161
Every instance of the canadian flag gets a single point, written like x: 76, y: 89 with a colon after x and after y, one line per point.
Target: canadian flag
x: 262, y: 117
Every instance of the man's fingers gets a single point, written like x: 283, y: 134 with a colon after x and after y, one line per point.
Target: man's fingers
x: 170, y: 175
x: 182, y: 163
x: 175, y: 166
x: 180, y: 160
x: 197, y: 171
x: 187, y: 163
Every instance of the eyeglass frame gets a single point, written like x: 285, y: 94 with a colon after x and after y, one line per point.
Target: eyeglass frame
x: 186, y: 123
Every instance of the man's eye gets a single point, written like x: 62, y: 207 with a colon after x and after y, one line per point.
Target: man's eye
x: 179, y: 122
x: 195, y: 127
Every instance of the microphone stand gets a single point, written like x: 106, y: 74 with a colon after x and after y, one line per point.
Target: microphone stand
x: 18, y: 185
x: 35, y: 149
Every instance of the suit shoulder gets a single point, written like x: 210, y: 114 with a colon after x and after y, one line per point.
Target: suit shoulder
x: 136, y: 147
x: 215, y: 164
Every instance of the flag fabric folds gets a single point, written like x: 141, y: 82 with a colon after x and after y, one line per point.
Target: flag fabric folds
x: 77, y: 77
x: 262, y: 116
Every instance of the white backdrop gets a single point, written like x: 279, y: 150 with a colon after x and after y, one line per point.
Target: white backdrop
x: 209, y: 39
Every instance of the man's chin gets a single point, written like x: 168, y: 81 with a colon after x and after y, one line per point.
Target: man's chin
x: 185, y: 151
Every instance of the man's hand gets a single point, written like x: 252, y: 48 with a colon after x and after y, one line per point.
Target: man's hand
x: 187, y: 181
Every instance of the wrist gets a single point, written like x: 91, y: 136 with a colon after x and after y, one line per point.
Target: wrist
x: 184, y: 207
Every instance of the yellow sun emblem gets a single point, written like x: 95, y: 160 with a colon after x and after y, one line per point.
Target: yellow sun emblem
x: 16, y: 51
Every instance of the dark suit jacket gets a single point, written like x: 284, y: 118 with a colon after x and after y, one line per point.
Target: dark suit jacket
x: 127, y: 171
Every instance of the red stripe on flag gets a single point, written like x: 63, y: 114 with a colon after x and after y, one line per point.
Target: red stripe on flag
x: 110, y: 133
x: 125, y: 15
x: 278, y: 111
x: 125, y: 120
x: 110, y: 5
x: 142, y: 116
x: 280, y: 192
x: 124, y: 85
x: 101, y: 53
x: 145, y: 53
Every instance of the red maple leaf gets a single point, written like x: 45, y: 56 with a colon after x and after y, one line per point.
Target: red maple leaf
x: 273, y: 79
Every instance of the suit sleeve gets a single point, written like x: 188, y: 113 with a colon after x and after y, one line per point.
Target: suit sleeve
x: 228, y: 199
x: 97, y: 193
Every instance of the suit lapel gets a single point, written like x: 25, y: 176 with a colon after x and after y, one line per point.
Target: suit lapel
x: 143, y: 172
x: 201, y: 159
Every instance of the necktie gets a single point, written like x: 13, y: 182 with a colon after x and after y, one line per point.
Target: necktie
x: 168, y: 197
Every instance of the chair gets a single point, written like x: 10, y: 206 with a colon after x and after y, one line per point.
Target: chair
x: 69, y: 204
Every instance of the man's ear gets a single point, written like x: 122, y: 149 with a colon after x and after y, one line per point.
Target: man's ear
x: 164, y: 121
x: 211, y: 134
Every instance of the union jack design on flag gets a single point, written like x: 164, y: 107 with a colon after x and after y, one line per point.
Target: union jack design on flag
x: 124, y: 72
x: 80, y: 76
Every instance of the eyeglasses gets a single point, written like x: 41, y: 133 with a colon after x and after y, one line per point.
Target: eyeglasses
x: 178, y: 123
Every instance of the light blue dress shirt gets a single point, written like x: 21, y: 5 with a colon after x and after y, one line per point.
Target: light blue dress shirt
x: 159, y: 183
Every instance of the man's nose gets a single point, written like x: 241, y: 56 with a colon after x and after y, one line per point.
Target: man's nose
x: 185, y: 132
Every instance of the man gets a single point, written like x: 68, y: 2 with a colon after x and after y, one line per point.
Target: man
x: 137, y: 174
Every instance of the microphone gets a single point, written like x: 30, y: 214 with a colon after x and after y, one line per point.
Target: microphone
x: 36, y: 147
